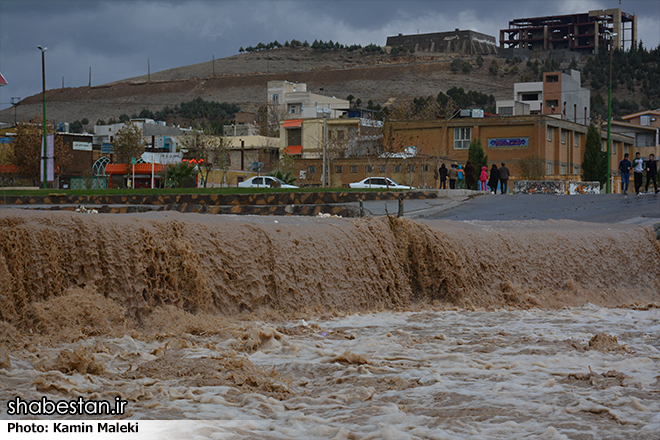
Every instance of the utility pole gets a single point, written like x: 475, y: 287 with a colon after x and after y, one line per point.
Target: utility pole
x: 90, y: 76
x: 43, y: 79
x: 608, y: 185
x: 148, y: 71
x: 14, y: 102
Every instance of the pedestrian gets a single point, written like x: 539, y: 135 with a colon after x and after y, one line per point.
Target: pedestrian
x: 469, y: 175
x: 504, y: 179
x: 461, y: 176
x: 638, y: 166
x: 624, y: 168
x: 483, y: 178
x: 442, y: 172
x: 651, y: 173
x: 494, y: 178
x: 452, y: 173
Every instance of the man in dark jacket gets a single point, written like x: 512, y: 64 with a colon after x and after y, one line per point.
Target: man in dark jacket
x: 494, y: 178
x: 504, y: 178
x: 442, y: 172
x: 624, y: 168
x: 469, y: 175
x: 651, y: 173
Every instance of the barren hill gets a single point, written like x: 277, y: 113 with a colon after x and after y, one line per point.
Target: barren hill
x: 242, y: 79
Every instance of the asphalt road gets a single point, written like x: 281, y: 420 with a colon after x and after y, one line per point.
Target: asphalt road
x: 599, y: 208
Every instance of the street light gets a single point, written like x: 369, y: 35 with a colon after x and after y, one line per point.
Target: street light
x: 608, y: 186
x: 43, y: 78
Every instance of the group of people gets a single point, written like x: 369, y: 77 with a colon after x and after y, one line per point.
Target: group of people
x: 498, y: 177
x: 639, y: 167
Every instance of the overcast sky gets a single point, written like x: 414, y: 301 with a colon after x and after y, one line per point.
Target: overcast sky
x: 116, y: 37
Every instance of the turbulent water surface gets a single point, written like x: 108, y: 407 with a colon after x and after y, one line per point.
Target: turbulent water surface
x: 332, y: 328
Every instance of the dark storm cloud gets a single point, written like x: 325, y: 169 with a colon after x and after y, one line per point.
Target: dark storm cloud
x: 118, y: 39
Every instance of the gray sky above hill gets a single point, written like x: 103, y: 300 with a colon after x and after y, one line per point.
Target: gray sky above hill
x: 115, y: 38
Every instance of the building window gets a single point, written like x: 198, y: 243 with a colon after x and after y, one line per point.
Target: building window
x: 563, y: 169
x: 506, y: 111
x: 397, y: 168
x: 339, y: 169
x: 576, y: 139
x: 551, y: 103
x: 548, y: 168
x: 529, y: 97
x: 294, y: 136
x: 563, y: 136
x: 311, y: 169
x: 425, y: 168
x: 354, y: 168
x: 645, y: 120
x: 411, y: 168
x: 576, y: 170
x: 383, y: 168
x: 292, y: 108
x: 369, y: 169
x: 552, y: 78
x: 275, y: 98
x: 462, y: 138
x: 549, y: 134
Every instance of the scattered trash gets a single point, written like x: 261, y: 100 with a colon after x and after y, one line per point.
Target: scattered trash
x: 303, y: 323
x: 324, y: 215
x: 323, y: 333
x: 81, y: 209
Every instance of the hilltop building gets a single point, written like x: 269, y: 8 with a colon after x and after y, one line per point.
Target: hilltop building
x: 586, y: 32
x: 456, y: 41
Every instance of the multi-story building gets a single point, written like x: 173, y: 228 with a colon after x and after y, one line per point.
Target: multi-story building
x: 558, y: 143
x: 559, y: 94
x: 585, y: 32
x: 457, y: 41
x: 644, y: 128
x: 293, y: 101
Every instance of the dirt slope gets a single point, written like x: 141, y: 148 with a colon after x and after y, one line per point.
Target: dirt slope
x: 243, y: 79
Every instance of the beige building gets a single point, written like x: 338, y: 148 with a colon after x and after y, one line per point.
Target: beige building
x: 293, y: 101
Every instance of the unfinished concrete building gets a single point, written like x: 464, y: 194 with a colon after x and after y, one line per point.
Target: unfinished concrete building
x: 457, y: 41
x: 586, y: 32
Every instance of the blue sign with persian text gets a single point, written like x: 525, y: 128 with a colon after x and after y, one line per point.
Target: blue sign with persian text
x: 508, y: 142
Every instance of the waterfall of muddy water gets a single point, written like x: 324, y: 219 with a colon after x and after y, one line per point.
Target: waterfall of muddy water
x: 329, y: 328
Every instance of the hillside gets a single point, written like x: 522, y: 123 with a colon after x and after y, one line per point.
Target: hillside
x: 242, y: 79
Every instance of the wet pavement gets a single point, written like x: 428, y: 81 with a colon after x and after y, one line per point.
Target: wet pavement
x: 464, y: 205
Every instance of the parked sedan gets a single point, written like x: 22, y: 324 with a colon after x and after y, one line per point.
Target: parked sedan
x: 378, y: 182
x: 264, y: 182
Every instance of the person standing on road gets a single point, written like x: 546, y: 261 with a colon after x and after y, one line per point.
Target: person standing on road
x: 469, y: 175
x: 651, y: 173
x: 452, y: 173
x: 624, y: 168
x: 461, y: 176
x: 504, y: 179
x: 494, y: 178
x: 442, y: 172
x: 638, y: 165
x: 483, y: 178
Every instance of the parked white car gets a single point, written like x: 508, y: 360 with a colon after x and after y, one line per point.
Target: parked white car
x: 264, y: 182
x: 378, y: 182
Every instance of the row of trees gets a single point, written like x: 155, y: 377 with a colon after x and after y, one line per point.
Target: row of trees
x: 318, y: 45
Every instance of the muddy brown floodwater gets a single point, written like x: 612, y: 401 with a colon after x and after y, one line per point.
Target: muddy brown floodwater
x: 294, y: 327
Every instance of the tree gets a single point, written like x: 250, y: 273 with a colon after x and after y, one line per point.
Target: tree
x: 209, y: 150
x: 128, y: 143
x: 269, y: 117
x: 28, y: 149
x: 180, y: 174
x: 594, y: 165
x: 476, y: 156
x: 532, y: 167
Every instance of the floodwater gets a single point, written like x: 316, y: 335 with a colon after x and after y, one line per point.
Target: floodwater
x: 336, y: 329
